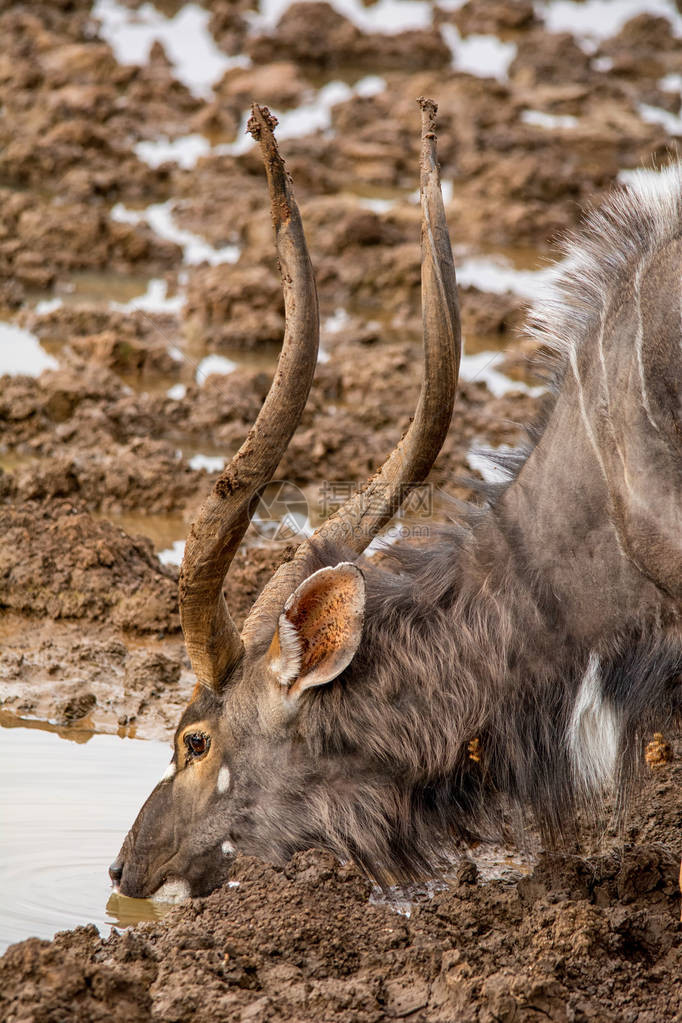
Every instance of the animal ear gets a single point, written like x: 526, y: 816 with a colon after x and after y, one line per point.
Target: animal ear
x: 319, y: 629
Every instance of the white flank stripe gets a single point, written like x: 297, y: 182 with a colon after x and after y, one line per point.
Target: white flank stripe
x: 573, y: 360
x: 638, y: 343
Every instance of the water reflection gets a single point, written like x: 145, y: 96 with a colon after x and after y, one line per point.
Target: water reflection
x: 126, y: 912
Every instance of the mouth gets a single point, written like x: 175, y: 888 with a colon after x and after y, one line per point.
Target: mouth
x: 173, y: 891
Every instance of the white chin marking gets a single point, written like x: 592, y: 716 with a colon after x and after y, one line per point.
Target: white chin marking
x: 169, y: 772
x: 227, y: 848
x: 223, y: 783
x: 172, y: 892
x: 593, y: 732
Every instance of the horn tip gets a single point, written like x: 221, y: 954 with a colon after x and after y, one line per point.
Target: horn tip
x: 261, y: 120
x: 429, y: 109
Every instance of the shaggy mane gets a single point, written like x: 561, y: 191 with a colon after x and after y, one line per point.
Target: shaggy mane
x: 628, y: 229
x: 634, y: 223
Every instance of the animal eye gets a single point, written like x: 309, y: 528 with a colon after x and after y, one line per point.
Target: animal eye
x: 197, y: 744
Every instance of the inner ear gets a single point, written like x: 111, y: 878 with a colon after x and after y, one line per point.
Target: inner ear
x: 319, y: 629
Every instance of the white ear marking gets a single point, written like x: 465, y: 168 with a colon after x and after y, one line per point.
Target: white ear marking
x: 227, y: 848
x: 287, y: 664
x: 319, y: 630
x: 223, y: 783
x: 169, y: 772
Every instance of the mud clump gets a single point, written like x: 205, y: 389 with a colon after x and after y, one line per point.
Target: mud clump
x: 61, y: 562
x: 279, y: 80
x: 645, y: 48
x: 245, y: 310
x: 486, y: 17
x: 317, y: 36
x: 46, y: 240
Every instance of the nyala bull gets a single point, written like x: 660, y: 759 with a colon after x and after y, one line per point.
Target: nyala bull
x: 513, y: 665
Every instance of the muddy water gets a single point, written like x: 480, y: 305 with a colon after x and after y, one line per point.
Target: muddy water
x: 67, y: 798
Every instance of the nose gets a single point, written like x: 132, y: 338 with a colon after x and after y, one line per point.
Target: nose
x: 116, y: 871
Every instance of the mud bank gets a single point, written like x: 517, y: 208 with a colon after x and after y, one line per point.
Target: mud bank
x: 578, y: 939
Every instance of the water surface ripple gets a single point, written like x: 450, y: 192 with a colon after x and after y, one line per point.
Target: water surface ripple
x: 65, y: 807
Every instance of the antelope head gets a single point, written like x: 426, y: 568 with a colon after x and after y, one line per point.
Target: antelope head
x: 246, y: 773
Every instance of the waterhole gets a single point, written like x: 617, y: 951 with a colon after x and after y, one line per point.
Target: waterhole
x: 67, y: 799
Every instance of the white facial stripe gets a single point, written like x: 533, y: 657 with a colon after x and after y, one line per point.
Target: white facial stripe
x: 223, y: 782
x: 173, y: 891
x: 227, y: 848
x: 169, y: 772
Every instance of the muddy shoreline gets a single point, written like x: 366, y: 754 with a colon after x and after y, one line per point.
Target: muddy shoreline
x: 136, y: 251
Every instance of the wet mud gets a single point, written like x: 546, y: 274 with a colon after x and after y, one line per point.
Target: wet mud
x: 580, y: 938
x: 136, y: 249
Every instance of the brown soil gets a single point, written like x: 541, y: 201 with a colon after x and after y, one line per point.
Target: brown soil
x: 581, y: 938
x: 95, y: 474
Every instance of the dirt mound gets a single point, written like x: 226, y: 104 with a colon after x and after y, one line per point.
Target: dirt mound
x: 576, y: 940
x: 57, y: 560
x: 316, y: 36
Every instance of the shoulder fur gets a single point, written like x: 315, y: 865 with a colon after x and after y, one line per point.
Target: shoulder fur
x: 634, y: 223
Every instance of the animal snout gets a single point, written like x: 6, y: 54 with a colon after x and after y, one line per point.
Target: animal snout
x: 116, y: 871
